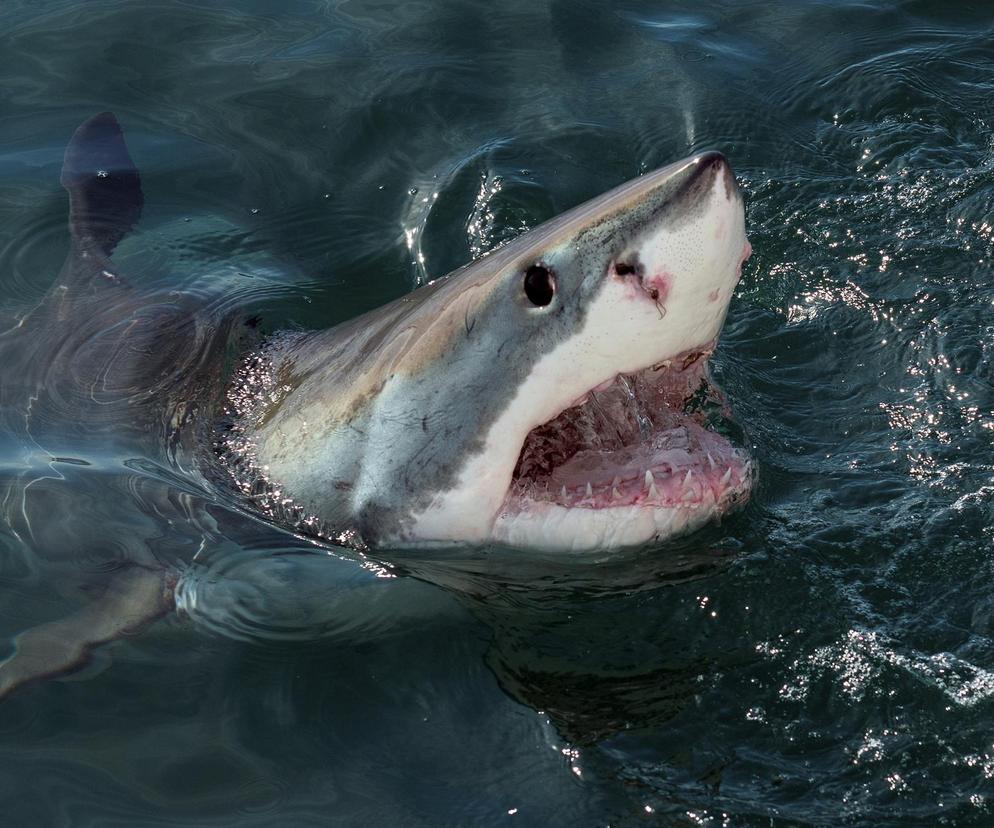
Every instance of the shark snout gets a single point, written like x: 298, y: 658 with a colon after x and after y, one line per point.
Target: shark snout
x: 677, y: 277
x: 707, y: 170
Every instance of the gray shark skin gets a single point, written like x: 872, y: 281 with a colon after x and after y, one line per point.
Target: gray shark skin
x: 105, y: 396
x: 533, y: 399
x: 100, y: 365
x: 102, y: 375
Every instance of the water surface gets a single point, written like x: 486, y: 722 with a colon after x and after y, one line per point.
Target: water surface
x: 823, y: 658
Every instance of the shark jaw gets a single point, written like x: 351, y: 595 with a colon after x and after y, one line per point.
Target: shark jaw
x: 601, y: 446
x: 632, y: 462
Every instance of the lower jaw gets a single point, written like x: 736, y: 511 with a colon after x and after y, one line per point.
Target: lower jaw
x: 553, y: 527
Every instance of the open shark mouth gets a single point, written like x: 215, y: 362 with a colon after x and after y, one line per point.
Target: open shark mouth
x: 643, y: 443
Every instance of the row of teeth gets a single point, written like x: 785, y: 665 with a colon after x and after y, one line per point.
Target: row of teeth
x: 649, y: 484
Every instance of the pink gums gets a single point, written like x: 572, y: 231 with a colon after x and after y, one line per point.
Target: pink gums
x: 709, y: 473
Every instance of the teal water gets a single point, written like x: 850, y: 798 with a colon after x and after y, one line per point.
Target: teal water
x: 823, y: 658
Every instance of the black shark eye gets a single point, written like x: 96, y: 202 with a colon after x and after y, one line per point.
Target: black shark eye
x: 540, y: 285
x: 623, y: 269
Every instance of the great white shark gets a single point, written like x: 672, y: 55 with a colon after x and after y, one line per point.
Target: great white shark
x: 546, y: 396
x: 533, y: 398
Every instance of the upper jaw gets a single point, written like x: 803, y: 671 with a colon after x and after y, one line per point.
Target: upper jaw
x: 664, y: 298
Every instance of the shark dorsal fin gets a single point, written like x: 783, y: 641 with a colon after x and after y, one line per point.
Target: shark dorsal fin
x: 105, y: 194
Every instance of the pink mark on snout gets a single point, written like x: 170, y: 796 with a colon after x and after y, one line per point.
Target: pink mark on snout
x: 657, y: 286
x: 713, y: 295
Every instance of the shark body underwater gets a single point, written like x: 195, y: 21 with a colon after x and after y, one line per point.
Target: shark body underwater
x: 535, y: 398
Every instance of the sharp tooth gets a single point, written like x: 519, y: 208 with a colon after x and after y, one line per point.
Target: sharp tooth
x: 562, y: 493
x: 616, y: 482
x: 710, y: 461
x: 688, y: 495
x: 688, y: 478
x: 615, y: 494
x: 649, y: 480
x: 590, y: 490
x: 726, y: 476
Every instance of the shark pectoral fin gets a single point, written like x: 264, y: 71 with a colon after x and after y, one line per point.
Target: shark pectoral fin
x: 105, y: 194
x: 134, y: 597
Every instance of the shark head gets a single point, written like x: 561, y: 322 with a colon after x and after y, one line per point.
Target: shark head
x: 537, y: 397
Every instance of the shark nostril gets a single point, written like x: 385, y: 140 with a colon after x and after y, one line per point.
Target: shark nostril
x: 623, y: 269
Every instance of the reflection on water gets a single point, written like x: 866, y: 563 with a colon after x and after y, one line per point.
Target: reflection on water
x: 823, y: 658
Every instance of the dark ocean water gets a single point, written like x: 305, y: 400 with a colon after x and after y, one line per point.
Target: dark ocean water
x: 825, y: 657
